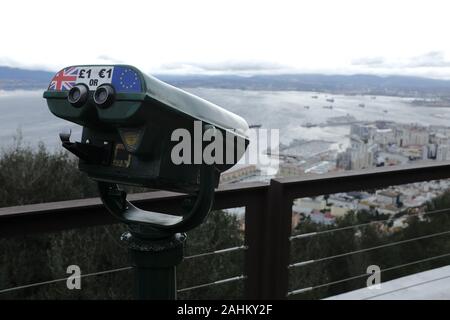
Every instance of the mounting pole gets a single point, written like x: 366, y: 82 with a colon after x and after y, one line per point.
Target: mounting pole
x: 155, y: 240
x: 154, y: 262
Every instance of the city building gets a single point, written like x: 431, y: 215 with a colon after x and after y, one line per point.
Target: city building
x: 408, y: 135
x: 388, y: 197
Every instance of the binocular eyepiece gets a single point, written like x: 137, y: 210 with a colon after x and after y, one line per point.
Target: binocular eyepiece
x: 78, y: 95
x: 103, y: 96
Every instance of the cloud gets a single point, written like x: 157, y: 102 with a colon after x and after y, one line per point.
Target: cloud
x: 8, y: 62
x: 231, y: 67
x: 431, y: 59
x: 241, y: 66
x: 108, y: 59
x: 369, y: 61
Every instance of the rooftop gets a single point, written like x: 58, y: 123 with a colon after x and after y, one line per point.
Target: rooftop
x: 428, y: 285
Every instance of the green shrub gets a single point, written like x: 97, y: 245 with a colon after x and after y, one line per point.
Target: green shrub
x: 30, y: 175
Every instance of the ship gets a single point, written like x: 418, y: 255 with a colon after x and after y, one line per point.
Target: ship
x: 342, y: 120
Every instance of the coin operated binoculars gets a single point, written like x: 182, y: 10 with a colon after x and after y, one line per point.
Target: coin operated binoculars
x: 129, y: 120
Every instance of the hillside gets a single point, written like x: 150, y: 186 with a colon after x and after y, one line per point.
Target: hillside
x: 348, y: 84
x: 14, y: 78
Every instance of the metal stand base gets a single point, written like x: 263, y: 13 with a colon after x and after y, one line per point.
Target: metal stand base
x: 154, y: 262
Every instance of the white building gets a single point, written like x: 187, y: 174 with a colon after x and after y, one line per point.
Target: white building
x: 411, y: 135
x: 442, y: 152
x: 307, y: 205
x: 361, y: 154
x: 384, y: 137
x: 363, y: 131
x: 341, y: 204
x: 388, y: 197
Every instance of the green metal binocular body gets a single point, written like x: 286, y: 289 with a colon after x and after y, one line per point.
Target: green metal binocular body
x: 129, y: 120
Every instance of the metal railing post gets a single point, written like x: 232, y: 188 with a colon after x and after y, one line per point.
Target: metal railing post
x: 276, y: 244
x: 255, y: 216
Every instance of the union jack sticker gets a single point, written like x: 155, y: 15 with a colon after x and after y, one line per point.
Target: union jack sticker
x: 64, y: 80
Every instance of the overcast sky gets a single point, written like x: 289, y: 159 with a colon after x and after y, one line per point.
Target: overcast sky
x: 243, y: 36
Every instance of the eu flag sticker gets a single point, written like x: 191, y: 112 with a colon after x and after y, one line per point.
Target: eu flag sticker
x: 126, y: 80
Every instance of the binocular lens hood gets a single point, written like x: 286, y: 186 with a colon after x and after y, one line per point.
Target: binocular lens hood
x: 78, y: 95
x: 104, y: 96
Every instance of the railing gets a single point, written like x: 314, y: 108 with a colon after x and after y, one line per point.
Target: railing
x: 268, y: 216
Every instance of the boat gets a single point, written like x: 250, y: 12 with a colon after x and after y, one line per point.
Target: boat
x: 385, y: 111
x: 314, y: 97
x: 328, y: 107
x: 361, y: 105
x: 309, y: 125
x: 330, y: 100
x: 306, y: 107
x: 342, y: 120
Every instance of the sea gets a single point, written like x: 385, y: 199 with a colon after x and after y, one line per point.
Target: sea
x: 297, y: 115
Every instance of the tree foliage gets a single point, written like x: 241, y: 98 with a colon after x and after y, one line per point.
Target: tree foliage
x: 334, y: 244
x: 30, y: 175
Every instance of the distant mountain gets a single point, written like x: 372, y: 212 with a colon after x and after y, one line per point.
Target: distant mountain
x: 348, y: 84
x: 14, y: 78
